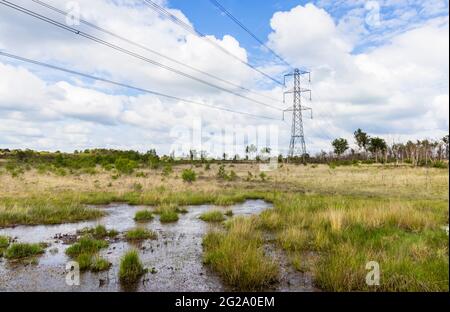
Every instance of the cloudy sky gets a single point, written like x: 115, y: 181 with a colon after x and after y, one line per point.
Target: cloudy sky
x: 377, y: 65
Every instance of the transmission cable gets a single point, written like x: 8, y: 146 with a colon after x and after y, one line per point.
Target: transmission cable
x: 239, y: 23
x: 146, y: 48
x: 195, y: 32
x: 70, y: 71
x: 125, y: 51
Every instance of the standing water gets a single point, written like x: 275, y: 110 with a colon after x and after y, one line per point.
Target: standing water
x: 176, y: 255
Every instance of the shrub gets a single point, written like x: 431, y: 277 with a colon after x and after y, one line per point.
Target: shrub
x: 189, y: 175
x: 263, y: 176
x: 167, y: 170
x: 143, y: 215
x: 23, y: 250
x: 221, y: 173
x: 131, y: 268
x: 137, y: 187
x: 440, y: 165
x: 125, y: 166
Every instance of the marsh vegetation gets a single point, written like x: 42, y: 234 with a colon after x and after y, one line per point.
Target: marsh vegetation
x: 329, y: 219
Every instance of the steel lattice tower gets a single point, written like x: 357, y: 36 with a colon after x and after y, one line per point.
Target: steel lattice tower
x: 297, y: 146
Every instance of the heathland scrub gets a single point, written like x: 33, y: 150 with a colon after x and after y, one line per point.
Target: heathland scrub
x: 330, y: 221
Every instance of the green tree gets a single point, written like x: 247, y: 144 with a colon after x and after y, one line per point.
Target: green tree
x: 340, y: 146
x: 377, y: 146
x: 362, y: 139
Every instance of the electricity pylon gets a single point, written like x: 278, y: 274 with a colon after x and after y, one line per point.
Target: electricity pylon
x: 297, y: 146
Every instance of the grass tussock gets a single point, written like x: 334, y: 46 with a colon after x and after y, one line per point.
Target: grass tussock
x: 131, y: 268
x: 85, y: 250
x: 168, y: 213
x: 213, y: 216
x: 4, y: 243
x: 99, y: 264
x: 86, y: 245
x: 99, y: 232
x: 140, y: 234
x: 237, y: 255
x: 143, y: 216
x: 23, y: 250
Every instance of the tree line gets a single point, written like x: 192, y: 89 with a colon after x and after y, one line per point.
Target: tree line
x: 418, y: 153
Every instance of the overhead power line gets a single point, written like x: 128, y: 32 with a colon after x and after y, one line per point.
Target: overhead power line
x: 146, y: 48
x: 239, y: 23
x: 126, y: 51
x: 70, y: 71
x: 195, y: 32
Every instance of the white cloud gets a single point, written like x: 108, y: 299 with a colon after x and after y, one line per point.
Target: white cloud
x: 399, y: 88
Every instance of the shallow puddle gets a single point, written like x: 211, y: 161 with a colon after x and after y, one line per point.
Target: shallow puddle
x: 176, y: 255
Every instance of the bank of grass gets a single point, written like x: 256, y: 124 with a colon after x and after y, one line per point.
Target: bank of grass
x: 238, y: 257
x: 138, y: 234
x: 23, y: 250
x: 131, y: 268
x: 212, y: 216
x: 403, y: 236
x: 42, y: 209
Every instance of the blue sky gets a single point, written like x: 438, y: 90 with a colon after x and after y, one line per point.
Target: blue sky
x: 256, y: 15
x: 377, y: 65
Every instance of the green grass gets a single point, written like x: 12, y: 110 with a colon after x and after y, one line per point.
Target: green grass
x: 237, y: 255
x: 140, y: 234
x: 86, y: 245
x: 168, y: 216
x: 131, y: 268
x: 4, y: 243
x: 99, y: 264
x: 69, y: 206
x: 84, y: 261
x: 212, y: 216
x: 403, y: 236
x: 23, y: 250
x: 43, y: 210
x: 99, y: 232
x: 143, y: 215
